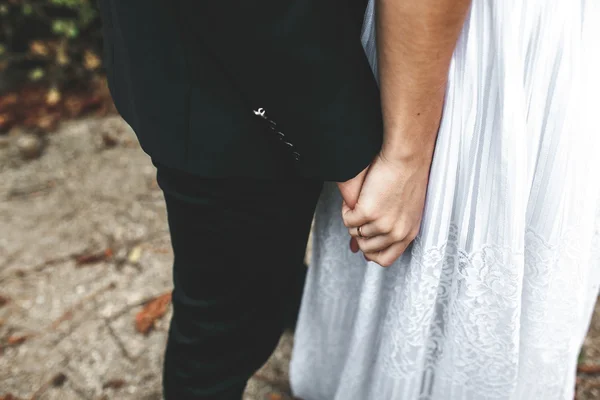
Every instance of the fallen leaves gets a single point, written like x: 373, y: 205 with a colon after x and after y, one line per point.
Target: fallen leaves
x: 156, y: 308
x: 9, y: 397
x: 40, y: 107
x: 114, y: 384
x: 14, y: 340
x: 53, y: 97
x: 93, y: 258
x: 39, y: 48
x: 91, y: 61
x: 4, y: 300
x: 588, y: 368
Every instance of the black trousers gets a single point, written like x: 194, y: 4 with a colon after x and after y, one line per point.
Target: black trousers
x: 239, y: 247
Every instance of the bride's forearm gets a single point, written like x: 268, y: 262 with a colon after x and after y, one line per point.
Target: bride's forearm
x: 416, y: 39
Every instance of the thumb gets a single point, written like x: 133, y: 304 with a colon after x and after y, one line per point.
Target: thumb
x: 350, y: 190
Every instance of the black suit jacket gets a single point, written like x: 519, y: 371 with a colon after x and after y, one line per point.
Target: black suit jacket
x: 245, y: 87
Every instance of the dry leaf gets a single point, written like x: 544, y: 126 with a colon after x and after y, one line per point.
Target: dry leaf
x: 8, y: 100
x: 91, y: 61
x: 4, y: 300
x: 48, y: 122
x: 38, y: 48
x: 9, y: 397
x: 53, y: 97
x: 6, y: 121
x: 155, y: 309
x: 14, y: 340
x: 114, y: 384
x: 588, y: 369
x: 73, y: 106
x: 93, y: 258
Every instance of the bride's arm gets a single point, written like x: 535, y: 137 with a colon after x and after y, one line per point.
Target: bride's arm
x: 416, y: 39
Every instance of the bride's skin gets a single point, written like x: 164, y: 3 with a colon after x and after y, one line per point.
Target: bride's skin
x: 416, y: 39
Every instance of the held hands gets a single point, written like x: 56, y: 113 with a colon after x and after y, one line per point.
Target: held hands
x: 383, y: 205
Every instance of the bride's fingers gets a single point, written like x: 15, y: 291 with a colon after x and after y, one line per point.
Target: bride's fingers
x: 375, y: 244
x: 388, y: 256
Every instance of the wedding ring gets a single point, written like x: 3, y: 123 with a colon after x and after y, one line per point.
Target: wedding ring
x: 358, y: 231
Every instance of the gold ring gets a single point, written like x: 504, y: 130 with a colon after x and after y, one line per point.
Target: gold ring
x: 358, y: 230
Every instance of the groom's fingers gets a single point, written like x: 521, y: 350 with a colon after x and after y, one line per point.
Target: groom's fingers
x: 355, y: 218
x: 350, y: 190
x: 354, y: 245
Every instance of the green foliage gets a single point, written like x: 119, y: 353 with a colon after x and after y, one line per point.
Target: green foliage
x: 58, y: 41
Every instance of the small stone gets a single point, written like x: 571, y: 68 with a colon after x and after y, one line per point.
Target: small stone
x: 111, y: 133
x: 135, y: 254
x: 110, y: 138
x: 30, y: 146
x: 59, y: 380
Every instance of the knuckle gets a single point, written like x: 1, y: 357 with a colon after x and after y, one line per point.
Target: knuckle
x: 385, y: 262
x: 369, y: 212
x: 368, y: 248
x: 400, y: 233
x: 387, y: 225
x: 413, y: 234
x: 389, y: 259
x: 364, y: 248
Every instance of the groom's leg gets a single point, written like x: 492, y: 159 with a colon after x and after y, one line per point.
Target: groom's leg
x: 298, y: 276
x: 236, y: 244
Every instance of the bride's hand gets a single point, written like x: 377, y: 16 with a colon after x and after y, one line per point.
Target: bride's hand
x: 390, y: 206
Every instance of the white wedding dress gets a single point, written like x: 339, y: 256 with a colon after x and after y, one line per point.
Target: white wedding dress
x: 493, y: 299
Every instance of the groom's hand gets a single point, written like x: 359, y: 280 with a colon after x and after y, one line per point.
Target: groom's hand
x: 389, y: 207
x: 350, y: 191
